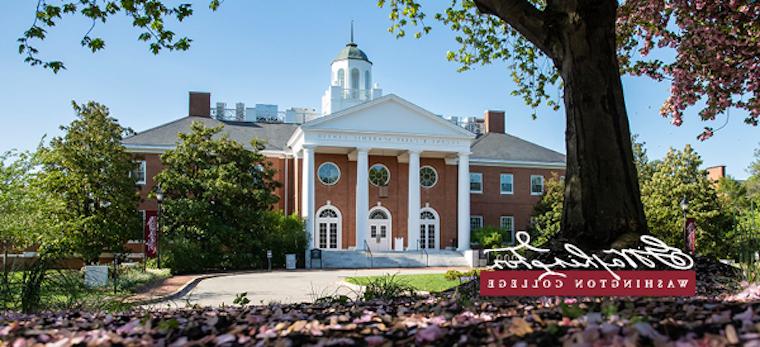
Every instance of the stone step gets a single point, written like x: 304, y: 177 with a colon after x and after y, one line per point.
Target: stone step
x: 409, y: 259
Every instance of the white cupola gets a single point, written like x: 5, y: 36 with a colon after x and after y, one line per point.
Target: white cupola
x: 350, y: 79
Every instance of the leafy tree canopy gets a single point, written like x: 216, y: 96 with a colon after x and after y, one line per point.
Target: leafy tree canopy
x: 715, y: 45
x: 88, y: 172
x: 216, y: 197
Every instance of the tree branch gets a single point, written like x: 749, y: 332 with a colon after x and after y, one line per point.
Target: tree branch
x: 523, y: 17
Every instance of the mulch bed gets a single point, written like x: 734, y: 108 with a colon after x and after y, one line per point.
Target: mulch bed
x: 444, y: 320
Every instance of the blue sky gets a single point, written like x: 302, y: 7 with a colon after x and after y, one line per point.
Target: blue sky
x: 278, y: 52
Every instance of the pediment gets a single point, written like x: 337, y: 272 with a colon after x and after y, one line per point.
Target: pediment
x: 389, y: 114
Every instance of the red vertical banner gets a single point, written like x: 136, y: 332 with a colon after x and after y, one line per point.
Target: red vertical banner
x: 691, y: 235
x: 151, y: 234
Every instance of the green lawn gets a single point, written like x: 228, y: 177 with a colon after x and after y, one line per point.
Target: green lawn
x: 422, y: 282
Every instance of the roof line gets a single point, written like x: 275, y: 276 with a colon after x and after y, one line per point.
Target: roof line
x: 165, y: 124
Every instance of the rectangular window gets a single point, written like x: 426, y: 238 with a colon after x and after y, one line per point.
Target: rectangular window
x: 506, y: 183
x: 536, y: 185
x: 476, y: 222
x: 139, y: 173
x: 140, y: 232
x: 333, y: 235
x: 322, y: 235
x: 508, y: 223
x: 476, y: 182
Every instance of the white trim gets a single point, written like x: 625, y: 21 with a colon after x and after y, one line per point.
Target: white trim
x: 386, y: 169
x: 338, y: 220
x: 143, y: 166
x: 436, y: 223
x: 480, y: 174
x: 386, y: 98
x: 389, y: 236
x: 482, y: 221
x: 542, y: 185
x: 518, y: 163
x: 512, y: 229
x: 320, y: 178
x: 436, y: 176
x: 160, y: 149
x: 512, y: 183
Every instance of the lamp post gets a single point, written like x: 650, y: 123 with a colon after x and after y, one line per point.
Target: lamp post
x: 159, y: 199
x: 685, y: 208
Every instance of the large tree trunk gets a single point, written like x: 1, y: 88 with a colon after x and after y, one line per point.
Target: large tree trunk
x: 602, y: 205
x: 602, y: 198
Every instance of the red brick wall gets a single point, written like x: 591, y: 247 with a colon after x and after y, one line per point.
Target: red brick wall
x: 342, y: 195
x: 491, y: 204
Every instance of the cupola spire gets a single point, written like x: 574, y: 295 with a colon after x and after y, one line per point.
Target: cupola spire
x: 352, y: 31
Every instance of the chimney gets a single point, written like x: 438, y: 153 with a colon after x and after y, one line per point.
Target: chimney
x: 494, y: 122
x: 715, y: 173
x: 200, y: 104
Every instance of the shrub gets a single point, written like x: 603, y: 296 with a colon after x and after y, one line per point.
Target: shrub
x: 387, y: 287
x: 234, y: 249
x: 491, y: 237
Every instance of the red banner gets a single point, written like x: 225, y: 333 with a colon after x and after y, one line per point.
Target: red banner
x: 151, y: 234
x: 588, y: 283
x: 691, y: 235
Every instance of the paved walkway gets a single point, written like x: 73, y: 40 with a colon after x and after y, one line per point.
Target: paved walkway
x: 281, y: 286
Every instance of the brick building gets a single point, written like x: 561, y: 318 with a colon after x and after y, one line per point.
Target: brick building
x: 379, y: 172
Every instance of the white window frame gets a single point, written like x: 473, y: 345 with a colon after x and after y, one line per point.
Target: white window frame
x: 435, y: 172
x: 144, y: 167
x: 501, y: 183
x: 512, y: 224
x: 479, y: 218
x: 387, y: 182
x: 477, y: 174
x: 320, y: 178
x: 542, y: 185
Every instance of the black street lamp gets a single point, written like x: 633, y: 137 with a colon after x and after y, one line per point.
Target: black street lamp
x: 685, y: 208
x: 159, y: 199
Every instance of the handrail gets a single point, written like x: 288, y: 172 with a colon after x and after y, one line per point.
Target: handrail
x: 367, y: 250
x: 424, y: 250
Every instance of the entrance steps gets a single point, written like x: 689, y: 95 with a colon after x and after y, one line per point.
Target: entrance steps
x: 352, y: 259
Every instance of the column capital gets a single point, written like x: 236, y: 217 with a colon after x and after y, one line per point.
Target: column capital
x: 309, y: 147
x: 362, y: 149
x: 414, y: 151
x: 464, y: 154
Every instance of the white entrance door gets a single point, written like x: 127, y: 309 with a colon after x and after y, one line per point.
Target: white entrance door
x: 379, y: 230
x: 429, y: 229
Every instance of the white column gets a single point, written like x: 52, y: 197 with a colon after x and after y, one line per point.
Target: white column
x: 463, y: 202
x: 413, y: 219
x: 307, y: 195
x: 362, y: 195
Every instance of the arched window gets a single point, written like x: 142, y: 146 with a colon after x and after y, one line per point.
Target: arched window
x: 354, y: 78
x: 328, y: 213
x: 378, y: 214
x: 341, y: 78
x: 367, y: 80
x: 427, y: 215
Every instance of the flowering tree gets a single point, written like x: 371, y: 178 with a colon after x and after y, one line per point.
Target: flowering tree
x: 580, y: 46
x: 583, y: 46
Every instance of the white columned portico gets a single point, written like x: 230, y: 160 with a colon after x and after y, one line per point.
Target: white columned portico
x: 463, y: 202
x: 413, y: 219
x: 307, y: 197
x: 362, y: 195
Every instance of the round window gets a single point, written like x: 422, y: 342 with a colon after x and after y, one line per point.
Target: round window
x: 428, y: 176
x: 379, y: 175
x: 328, y: 173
